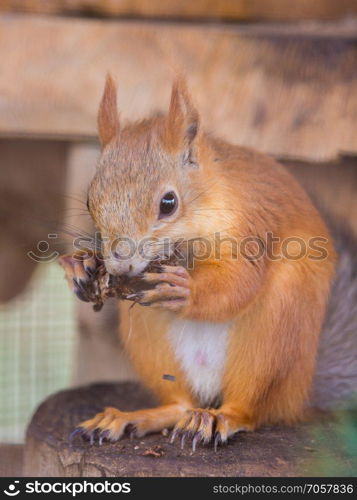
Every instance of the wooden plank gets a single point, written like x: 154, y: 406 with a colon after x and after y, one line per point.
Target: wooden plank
x: 320, y: 448
x: 272, y: 10
x: 290, y: 93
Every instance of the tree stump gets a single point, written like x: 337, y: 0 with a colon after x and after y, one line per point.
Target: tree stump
x: 305, y: 450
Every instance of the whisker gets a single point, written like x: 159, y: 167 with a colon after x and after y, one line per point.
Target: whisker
x: 71, y: 209
x: 78, y: 215
x: 83, y: 201
x: 80, y: 231
x: 181, y: 240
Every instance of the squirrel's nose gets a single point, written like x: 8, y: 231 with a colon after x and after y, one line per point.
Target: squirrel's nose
x: 117, y: 266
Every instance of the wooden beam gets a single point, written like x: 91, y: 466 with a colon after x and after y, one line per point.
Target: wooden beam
x: 271, y: 10
x: 287, y: 91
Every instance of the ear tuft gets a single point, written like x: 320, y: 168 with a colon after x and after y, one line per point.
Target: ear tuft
x: 108, y: 117
x: 182, y: 119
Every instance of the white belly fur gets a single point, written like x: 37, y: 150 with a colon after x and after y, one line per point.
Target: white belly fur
x: 200, y: 347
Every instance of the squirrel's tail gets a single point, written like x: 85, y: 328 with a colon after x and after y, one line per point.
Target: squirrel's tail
x: 335, y: 383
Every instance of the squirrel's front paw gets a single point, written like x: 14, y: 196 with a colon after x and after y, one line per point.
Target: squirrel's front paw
x: 80, y: 268
x: 172, y: 290
x: 111, y: 424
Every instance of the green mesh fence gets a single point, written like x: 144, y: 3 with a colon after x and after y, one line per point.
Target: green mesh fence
x: 37, y: 335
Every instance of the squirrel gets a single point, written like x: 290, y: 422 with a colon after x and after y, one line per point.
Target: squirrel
x: 236, y: 332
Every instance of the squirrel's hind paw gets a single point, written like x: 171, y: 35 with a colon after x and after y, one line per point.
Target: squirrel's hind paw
x: 108, y: 425
x: 111, y: 424
x: 197, y: 425
x: 203, y: 426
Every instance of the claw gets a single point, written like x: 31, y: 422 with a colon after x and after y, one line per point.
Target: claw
x: 174, y: 435
x: 90, y: 271
x: 83, y: 289
x: 74, y: 433
x: 217, y: 441
x: 183, y: 439
x: 196, y: 439
x: 87, y: 435
x: 137, y: 295
x: 103, y: 435
x: 81, y: 295
x: 80, y: 284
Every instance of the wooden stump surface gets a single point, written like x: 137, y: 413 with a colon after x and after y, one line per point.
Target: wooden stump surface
x: 306, y: 450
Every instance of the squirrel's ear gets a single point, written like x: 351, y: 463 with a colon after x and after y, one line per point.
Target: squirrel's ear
x: 182, y: 119
x: 108, y: 117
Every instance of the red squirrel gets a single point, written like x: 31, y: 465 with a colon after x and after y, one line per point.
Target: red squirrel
x: 238, y: 335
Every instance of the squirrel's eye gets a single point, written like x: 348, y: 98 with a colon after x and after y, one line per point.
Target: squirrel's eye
x: 168, y: 204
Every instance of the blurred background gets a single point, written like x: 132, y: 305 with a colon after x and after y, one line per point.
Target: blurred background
x: 274, y: 75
